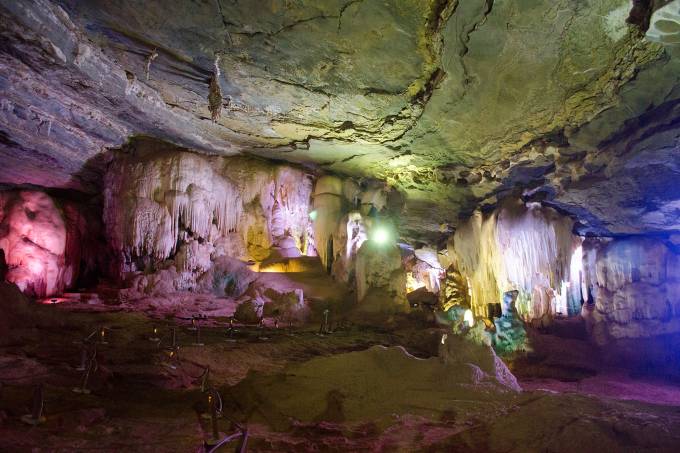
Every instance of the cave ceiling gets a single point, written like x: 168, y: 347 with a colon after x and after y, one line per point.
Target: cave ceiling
x: 454, y: 103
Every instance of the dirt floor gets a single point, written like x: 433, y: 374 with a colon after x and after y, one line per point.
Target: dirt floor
x: 143, y: 400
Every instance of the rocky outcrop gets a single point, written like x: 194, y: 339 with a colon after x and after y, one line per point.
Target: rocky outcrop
x: 634, y: 288
x: 34, y: 242
x: 169, y: 203
x: 45, y: 241
x: 366, y: 385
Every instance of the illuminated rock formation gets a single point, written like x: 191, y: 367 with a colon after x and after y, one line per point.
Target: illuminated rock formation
x: 174, y: 204
x: 328, y: 211
x: 423, y: 270
x: 34, y: 240
x: 45, y: 241
x: 520, y: 247
x: 634, y: 289
x: 380, y: 278
x: 344, y: 213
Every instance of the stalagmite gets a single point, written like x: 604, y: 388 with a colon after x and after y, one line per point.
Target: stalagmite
x: 380, y: 278
x: 328, y: 207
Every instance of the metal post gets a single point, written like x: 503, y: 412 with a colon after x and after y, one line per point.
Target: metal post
x: 91, y: 367
x: 198, y: 336
x: 36, y: 416
x: 154, y: 336
x: 243, y: 444
x: 204, y: 379
x: 102, y: 335
x: 83, y: 358
x: 213, y: 416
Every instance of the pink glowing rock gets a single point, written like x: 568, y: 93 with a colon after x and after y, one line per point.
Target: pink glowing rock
x: 33, y: 237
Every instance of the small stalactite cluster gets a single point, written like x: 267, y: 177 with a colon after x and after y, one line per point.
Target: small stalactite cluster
x: 147, y: 67
x: 456, y: 291
x: 215, y: 91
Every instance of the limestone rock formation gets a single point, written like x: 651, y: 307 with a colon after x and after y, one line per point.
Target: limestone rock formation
x: 526, y: 248
x: 165, y: 204
x: 459, y: 352
x: 44, y: 241
x: 430, y: 115
x: 375, y: 383
x: 634, y: 289
x: 380, y: 279
x: 453, y: 103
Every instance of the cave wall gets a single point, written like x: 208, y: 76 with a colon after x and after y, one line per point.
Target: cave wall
x: 171, y: 220
x: 633, y: 288
x: 48, y: 242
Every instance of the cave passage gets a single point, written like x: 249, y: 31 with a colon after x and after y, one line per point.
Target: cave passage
x: 340, y: 225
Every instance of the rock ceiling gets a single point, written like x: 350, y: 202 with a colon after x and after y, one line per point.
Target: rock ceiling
x: 455, y: 103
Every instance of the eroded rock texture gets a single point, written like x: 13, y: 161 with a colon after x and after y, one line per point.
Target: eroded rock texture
x: 453, y: 103
x: 381, y: 279
x: 634, y: 285
x: 171, y: 204
x: 519, y: 247
x: 45, y: 241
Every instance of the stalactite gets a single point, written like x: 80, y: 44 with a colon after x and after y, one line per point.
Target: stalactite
x: 156, y: 202
x: 520, y: 247
x: 147, y: 67
x: 480, y: 260
x: 151, y: 201
x: 456, y: 290
x: 215, y: 92
x: 293, y: 191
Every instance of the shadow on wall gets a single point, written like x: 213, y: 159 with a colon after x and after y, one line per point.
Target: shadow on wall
x: 3, y: 265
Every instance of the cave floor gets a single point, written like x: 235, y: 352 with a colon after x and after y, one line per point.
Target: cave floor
x: 139, y: 403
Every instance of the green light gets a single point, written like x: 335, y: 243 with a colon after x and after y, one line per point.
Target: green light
x: 312, y: 215
x: 381, y: 235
